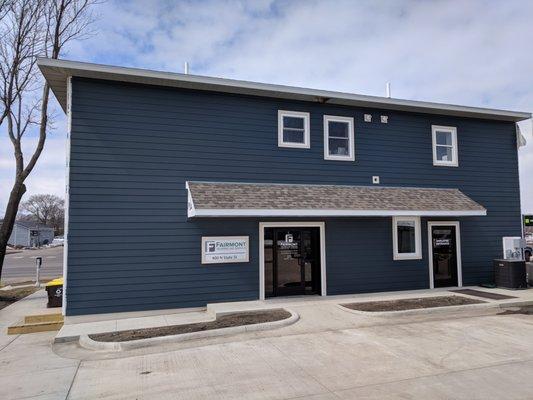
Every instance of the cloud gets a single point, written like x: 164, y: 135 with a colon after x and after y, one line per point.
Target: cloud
x: 475, y: 53
x: 49, y: 173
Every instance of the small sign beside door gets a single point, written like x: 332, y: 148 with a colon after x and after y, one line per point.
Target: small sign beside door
x: 225, y: 249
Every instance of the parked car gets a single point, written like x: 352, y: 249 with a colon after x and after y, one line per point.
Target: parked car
x: 58, y: 241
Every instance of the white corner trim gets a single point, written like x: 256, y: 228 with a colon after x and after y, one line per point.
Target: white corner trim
x: 417, y: 255
x: 191, y: 211
x: 248, y: 212
x: 431, y: 224
x: 322, y: 230
x: 67, y: 196
x: 351, y: 138
x: 307, y: 129
x: 453, y: 131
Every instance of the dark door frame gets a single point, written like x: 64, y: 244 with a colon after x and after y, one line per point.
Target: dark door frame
x: 292, y: 224
x: 455, y: 224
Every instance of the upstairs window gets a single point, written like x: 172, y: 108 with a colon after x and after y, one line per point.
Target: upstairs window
x: 293, y: 129
x: 444, y: 146
x: 338, y: 138
x: 407, y: 243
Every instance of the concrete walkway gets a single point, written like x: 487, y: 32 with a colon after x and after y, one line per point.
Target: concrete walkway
x: 329, y: 354
x: 29, y: 367
x: 91, y: 324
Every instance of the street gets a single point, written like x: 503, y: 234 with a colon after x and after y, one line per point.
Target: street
x: 20, y: 266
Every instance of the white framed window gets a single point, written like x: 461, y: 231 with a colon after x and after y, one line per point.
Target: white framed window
x: 338, y: 138
x: 293, y: 129
x: 406, y: 238
x: 444, y: 146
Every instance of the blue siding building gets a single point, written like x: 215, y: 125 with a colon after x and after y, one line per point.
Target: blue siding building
x: 186, y: 190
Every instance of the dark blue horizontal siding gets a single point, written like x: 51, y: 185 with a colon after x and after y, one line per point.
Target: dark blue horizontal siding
x: 133, y: 147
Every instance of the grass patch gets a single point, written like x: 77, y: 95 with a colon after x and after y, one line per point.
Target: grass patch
x: 225, y: 321
x: 411, y: 304
x: 8, y: 297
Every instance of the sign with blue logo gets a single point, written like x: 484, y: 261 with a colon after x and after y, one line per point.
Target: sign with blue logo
x: 225, y: 249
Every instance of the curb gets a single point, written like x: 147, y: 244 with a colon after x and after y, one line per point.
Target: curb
x: 86, y: 342
x: 437, y: 310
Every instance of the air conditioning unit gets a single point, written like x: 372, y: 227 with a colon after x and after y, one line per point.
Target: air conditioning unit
x: 513, y: 248
x: 510, y: 274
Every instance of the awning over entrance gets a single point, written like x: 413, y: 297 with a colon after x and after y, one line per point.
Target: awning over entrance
x: 223, y: 199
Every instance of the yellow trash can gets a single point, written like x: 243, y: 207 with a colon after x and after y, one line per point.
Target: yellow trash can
x: 54, y: 289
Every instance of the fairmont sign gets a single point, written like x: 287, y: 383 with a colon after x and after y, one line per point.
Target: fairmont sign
x: 225, y: 249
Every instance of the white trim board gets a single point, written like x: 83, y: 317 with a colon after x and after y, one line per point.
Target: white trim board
x: 351, y: 138
x: 67, y: 196
x: 307, y: 129
x: 457, y: 226
x: 417, y: 255
x: 452, y: 130
x: 294, y: 224
x: 193, y: 212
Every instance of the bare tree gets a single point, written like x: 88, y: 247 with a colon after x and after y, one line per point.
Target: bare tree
x: 31, y: 28
x: 47, y: 209
x: 4, y: 6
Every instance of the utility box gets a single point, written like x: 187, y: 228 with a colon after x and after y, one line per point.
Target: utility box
x: 510, y: 274
x: 513, y: 248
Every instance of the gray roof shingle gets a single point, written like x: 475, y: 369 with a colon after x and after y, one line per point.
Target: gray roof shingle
x: 354, y: 200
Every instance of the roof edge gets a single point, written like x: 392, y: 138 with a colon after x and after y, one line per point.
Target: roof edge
x: 56, y: 73
x: 290, y: 212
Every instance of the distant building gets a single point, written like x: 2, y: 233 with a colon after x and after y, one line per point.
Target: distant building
x: 30, y: 234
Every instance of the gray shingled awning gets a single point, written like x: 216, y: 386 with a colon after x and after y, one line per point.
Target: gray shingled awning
x: 223, y: 199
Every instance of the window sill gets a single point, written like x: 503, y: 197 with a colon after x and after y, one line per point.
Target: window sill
x: 402, y: 257
x: 295, y: 145
x: 445, y: 164
x: 339, y: 158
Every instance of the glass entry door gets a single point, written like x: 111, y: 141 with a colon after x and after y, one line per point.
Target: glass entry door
x: 444, y: 255
x: 292, y: 261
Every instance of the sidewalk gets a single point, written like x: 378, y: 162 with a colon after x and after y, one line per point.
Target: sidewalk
x: 29, y: 367
x: 334, y: 318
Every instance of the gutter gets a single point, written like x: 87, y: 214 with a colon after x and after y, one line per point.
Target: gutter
x: 56, y: 73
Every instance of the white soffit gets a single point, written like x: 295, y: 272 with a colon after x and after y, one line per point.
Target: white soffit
x: 56, y: 73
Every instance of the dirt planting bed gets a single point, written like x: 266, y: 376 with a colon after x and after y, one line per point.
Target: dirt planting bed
x: 481, y: 293
x: 225, y: 321
x: 412, y: 304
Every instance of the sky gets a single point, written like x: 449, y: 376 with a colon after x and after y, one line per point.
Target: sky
x: 475, y: 53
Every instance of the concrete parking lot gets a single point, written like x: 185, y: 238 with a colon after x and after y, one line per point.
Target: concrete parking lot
x: 328, y: 354
x: 20, y: 266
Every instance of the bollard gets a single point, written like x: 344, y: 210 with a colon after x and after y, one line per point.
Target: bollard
x: 38, y: 263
